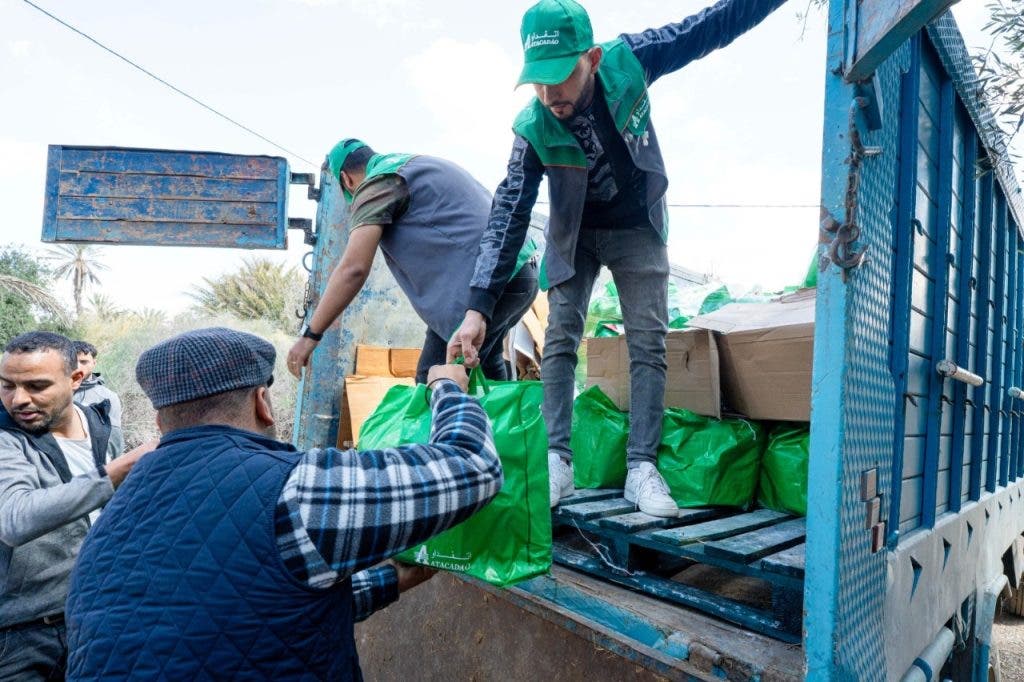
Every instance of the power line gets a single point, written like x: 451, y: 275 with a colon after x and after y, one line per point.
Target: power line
x: 731, y: 205
x: 170, y: 85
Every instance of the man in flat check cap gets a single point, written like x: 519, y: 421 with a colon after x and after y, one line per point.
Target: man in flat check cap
x: 230, y: 555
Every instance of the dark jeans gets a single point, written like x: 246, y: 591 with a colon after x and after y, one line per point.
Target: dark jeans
x: 30, y: 654
x: 638, y: 260
x: 513, y: 303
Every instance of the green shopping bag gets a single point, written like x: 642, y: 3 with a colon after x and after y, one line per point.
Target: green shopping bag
x: 509, y: 540
x: 783, y: 485
x: 599, y: 434
x: 709, y: 462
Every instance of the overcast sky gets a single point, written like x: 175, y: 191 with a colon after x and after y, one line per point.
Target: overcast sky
x: 741, y: 126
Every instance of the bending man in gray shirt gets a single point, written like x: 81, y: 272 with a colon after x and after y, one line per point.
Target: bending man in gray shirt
x: 57, y: 467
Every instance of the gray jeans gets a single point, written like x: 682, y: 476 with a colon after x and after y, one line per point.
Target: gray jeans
x: 638, y: 261
x: 37, y: 653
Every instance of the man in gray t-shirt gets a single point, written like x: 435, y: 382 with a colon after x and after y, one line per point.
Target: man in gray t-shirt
x: 57, y: 469
x: 427, y: 216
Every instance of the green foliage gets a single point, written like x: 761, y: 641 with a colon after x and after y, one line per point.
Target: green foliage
x: 121, y: 339
x: 80, y: 263
x: 259, y: 290
x: 105, y: 308
x: 25, y: 302
x: 1001, y: 72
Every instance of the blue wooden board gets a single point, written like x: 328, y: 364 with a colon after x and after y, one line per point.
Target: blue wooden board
x: 159, y: 197
x: 741, y: 614
x: 719, y: 528
x: 638, y: 521
x: 750, y: 546
x: 787, y: 562
x: 585, y: 511
x: 589, y: 495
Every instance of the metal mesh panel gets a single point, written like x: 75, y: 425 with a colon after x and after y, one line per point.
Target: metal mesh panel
x: 868, y: 411
x: 949, y: 43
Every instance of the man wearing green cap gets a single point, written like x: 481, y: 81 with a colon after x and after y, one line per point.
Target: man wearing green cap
x: 428, y: 216
x: 589, y: 130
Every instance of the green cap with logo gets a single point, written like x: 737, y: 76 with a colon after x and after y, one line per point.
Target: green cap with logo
x: 336, y: 159
x: 555, y: 33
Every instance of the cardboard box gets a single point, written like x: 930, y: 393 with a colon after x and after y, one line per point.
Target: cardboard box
x: 766, y: 352
x: 381, y: 361
x: 359, y: 399
x: 692, y: 379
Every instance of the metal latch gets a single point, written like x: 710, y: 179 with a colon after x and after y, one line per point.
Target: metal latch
x: 949, y: 369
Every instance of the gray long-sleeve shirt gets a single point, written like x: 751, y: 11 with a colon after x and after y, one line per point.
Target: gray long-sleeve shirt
x: 44, y: 514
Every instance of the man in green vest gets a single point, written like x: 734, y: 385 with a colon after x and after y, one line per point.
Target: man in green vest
x: 427, y: 215
x: 589, y: 130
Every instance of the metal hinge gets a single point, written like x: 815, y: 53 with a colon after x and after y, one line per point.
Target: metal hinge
x: 306, y: 225
x: 309, y: 179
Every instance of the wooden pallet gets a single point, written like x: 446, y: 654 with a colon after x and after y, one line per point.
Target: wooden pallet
x: 600, y: 533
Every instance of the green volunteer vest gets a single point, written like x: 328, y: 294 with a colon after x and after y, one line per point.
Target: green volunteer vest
x: 386, y: 164
x: 625, y: 90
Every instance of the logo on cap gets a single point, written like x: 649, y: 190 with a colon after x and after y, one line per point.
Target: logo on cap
x: 538, y: 39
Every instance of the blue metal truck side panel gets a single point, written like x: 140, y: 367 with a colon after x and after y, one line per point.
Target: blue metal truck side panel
x: 842, y: 593
x: 169, y: 198
x: 941, y: 283
x: 380, y: 315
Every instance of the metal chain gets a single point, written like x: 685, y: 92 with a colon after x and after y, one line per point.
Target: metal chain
x: 840, y: 237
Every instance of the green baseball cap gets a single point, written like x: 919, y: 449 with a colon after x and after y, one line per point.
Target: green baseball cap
x: 336, y: 159
x: 555, y: 33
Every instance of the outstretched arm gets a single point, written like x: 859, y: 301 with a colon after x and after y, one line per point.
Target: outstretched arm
x: 342, y: 511
x: 671, y: 47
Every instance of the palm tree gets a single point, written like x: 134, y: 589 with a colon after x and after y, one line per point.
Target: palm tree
x: 79, y: 263
x: 105, y: 308
x: 260, y: 289
x: 150, y: 317
x: 36, y: 295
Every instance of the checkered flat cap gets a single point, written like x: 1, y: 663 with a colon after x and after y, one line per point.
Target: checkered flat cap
x: 202, y: 363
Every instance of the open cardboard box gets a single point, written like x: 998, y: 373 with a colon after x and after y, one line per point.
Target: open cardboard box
x: 692, y: 379
x: 378, y: 368
x: 755, y: 358
x: 766, y: 351
x: 381, y: 361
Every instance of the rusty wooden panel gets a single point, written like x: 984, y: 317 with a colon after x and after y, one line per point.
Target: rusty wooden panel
x: 129, y: 185
x: 161, y: 197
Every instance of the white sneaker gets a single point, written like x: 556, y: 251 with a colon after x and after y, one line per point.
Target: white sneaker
x: 559, y: 478
x: 647, y: 490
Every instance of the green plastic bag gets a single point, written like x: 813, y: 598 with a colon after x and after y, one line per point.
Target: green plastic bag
x: 783, y: 485
x: 599, y: 434
x: 509, y: 540
x: 709, y: 462
x: 716, y: 299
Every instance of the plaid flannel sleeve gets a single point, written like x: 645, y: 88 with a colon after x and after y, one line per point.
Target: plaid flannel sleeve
x: 372, y: 590
x: 343, y: 511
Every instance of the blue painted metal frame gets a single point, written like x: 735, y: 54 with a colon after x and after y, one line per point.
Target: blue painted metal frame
x: 317, y: 408
x: 1018, y: 354
x: 903, y: 268
x: 883, y: 26
x: 165, y: 198
x: 997, y: 367
x: 1012, y: 299
x: 980, y: 393
x: 939, y: 268
x: 965, y: 264
x: 954, y: 57
x: 828, y: 384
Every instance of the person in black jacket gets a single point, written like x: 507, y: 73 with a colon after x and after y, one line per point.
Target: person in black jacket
x: 589, y: 130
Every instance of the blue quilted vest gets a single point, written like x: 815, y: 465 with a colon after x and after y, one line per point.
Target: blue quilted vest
x: 181, y: 578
